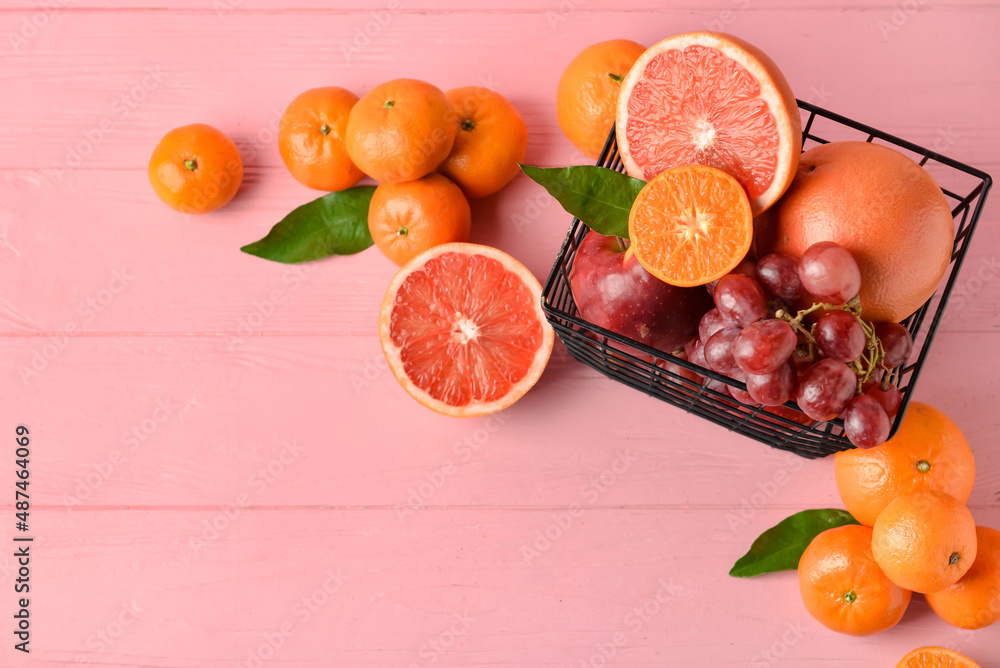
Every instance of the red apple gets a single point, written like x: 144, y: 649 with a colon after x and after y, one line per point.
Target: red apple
x: 613, y: 291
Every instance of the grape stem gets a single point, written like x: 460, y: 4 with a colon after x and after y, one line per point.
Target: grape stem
x: 870, y: 360
x: 888, y: 381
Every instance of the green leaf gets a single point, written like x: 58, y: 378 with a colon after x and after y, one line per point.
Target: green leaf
x: 334, y: 224
x: 601, y: 198
x: 780, y: 547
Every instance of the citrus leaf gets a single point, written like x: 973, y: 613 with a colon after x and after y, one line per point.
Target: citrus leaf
x: 600, y: 197
x: 334, y: 224
x: 780, y: 547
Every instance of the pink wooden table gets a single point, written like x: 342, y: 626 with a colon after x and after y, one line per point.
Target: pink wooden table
x: 223, y: 472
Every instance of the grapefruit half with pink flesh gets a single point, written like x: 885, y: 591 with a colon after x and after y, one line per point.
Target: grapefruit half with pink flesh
x: 707, y: 98
x: 463, y: 330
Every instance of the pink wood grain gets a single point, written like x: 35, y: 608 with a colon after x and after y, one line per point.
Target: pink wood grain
x: 218, y: 437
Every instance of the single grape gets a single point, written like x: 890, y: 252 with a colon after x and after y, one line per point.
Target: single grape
x: 736, y: 393
x: 887, y: 395
x: 678, y: 370
x: 828, y: 271
x: 840, y: 336
x: 775, y: 388
x: 746, y: 268
x: 740, y: 299
x: 825, y: 389
x: 695, y: 351
x: 896, y: 341
x: 764, y: 346
x: 778, y: 274
x: 790, y: 414
x: 866, y: 422
x: 742, y: 396
x: 804, y: 355
x: 718, y: 386
x: 803, y: 358
x: 719, y: 350
x: 710, y: 323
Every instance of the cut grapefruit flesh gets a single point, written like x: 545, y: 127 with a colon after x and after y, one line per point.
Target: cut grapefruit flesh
x: 463, y: 330
x: 690, y: 225
x: 710, y: 99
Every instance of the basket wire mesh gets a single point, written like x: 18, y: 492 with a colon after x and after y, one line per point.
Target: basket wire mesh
x: 648, y: 370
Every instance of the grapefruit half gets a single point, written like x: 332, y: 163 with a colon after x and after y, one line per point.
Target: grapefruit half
x: 463, y: 330
x: 707, y: 98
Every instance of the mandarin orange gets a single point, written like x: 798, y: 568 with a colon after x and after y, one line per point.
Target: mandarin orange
x: 405, y: 219
x: 690, y: 225
x: 311, y: 139
x: 588, y: 92
x: 974, y: 601
x: 195, y: 169
x: 492, y: 139
x: 401, y: 130
x: 843, y: 587
x: 924, y: 541
x: 929, y: 452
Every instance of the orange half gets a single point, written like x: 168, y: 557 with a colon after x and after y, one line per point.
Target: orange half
x: 691, y: 225
x: 936, y: 657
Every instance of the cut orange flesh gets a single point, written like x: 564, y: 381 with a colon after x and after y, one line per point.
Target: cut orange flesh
x: 691, y: 225
x: 936, y: 657
x: 463, y: 330
x: 710, y: 99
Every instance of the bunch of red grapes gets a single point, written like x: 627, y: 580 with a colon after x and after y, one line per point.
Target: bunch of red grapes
x: 826, y: 357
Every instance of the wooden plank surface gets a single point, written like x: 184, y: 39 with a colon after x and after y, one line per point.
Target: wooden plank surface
x: 194, y: 423
x: 223, y: 465
x: 536, y: 587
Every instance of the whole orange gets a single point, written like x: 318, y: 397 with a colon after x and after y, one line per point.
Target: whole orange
x: 974, y: 601
x: 587, y: 95
x: 195, y: 169
x: 928, y: 452
x: 881, y: 206
x: 401, y: 130
x: 491, y: 140
x: 311, y: 139
x: 406, y: 219
x: 843, y: 588
x: 924, y: 541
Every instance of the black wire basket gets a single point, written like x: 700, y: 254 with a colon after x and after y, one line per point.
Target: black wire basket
x: 646, y: 369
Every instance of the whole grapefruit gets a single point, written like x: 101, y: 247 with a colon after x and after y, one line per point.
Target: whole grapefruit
x: 881, y: 206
